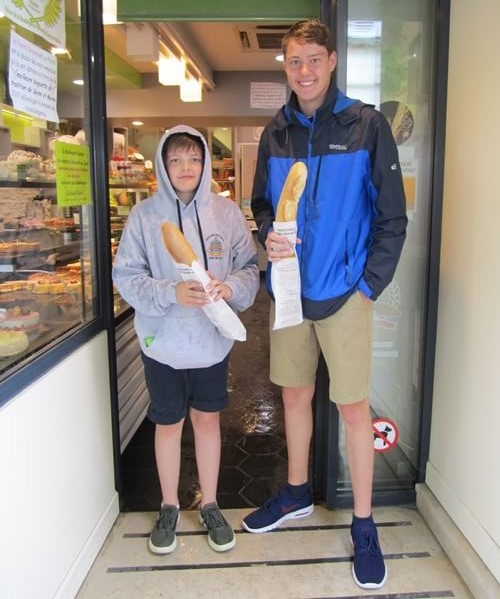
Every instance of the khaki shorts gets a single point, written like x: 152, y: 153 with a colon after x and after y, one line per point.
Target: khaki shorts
x: 345, y: 339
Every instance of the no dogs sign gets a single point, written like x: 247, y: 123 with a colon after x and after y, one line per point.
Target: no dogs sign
x: 385, y: 434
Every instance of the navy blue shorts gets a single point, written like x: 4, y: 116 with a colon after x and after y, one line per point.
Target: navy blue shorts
x: 173, y: 392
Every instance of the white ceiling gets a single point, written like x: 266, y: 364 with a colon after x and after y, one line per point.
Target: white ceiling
x: 218, y: 43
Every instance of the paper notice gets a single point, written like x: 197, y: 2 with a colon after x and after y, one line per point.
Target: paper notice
x: 285, y: 280
x: 218, y: 311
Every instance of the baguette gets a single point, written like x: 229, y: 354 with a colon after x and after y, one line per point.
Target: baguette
x: 288, y: 203
x: 177, y: 245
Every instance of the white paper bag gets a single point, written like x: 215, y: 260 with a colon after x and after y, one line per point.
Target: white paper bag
x: 285, y: 280
x: 218, y: 311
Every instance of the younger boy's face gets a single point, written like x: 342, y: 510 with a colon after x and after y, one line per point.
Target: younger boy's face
x: 184, y: 167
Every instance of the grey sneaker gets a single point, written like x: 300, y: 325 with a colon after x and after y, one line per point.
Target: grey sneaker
x: 220, y: 534
x: 162, y: 538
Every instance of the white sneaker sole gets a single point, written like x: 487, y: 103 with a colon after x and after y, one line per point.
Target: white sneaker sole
x: 214, y: 546
x: 370, y: 585
x: 302, y: 513
x: 164, y: 550
x: 221, y: 548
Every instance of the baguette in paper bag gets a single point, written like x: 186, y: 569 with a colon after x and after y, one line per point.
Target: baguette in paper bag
x: 285, y: 274
x: 189, y: 268
x: 177, y: 245
x: 286, y: 211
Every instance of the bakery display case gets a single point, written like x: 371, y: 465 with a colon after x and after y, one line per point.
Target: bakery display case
x: 121, y: 201
x: 45, y: 261
x: 131, y: 180
x: 50, y: 191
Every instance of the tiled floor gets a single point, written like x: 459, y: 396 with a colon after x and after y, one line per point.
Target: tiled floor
x: 309, y: 558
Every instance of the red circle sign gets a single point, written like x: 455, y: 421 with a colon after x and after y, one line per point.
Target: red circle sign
x: 385, y: 434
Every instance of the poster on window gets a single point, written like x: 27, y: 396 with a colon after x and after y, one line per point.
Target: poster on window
x: 32, y: 79
x: 43, y: 17
x: 73, y: 174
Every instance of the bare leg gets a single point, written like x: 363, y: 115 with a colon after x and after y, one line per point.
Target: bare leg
x: 168, y: 459
x: 360, y: 453
x: 297, y: 403
x: 207, y: 441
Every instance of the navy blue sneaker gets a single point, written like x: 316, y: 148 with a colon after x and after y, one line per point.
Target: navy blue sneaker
x: 368, y: 569
x: 280, y: 507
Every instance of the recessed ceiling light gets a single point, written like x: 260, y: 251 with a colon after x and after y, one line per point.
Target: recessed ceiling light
x: 279, y: 58
x: 78, y: 81
x: 56, y: 51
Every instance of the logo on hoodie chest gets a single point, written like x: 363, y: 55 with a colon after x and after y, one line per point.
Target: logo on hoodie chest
x: 215, y: 246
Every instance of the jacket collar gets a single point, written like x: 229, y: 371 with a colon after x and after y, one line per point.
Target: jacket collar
x: 345, y: 109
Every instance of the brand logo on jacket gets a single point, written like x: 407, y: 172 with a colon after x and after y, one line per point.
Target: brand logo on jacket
x: 337, y: 147
x: 215, y: 246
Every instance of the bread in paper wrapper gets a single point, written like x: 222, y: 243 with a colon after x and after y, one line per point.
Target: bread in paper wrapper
x: 186, y: 262
x: 286, y: 211
x: 285, y: 273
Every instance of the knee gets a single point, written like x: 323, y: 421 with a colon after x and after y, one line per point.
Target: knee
x: 297, y: 396
x: 204, y: 421
x: 164, y: 431
x: 355, y: 414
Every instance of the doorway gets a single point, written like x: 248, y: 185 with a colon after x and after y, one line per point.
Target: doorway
x: 387, y: 58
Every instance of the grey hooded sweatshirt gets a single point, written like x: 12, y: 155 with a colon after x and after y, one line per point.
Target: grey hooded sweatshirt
x: 145, y: 275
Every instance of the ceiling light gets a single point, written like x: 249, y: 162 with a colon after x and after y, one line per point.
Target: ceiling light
x: 137, y: 123
x: 174, y: 37
x: 109, y: 12
x: 191, y: 90
x: 171, y: 70
x: 279, y: 58
x: 60, y: 52
x: 78, y: 82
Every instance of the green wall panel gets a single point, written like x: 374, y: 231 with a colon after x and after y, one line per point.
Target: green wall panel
x: 215, y: 10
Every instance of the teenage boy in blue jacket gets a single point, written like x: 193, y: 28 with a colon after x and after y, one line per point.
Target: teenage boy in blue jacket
x: 351, y: 227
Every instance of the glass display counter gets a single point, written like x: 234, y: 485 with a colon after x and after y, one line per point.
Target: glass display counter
x: 122, y: 199
x: 46, y: 284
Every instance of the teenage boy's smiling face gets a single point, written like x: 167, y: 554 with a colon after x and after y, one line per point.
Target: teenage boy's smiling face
x: 184, y: 167
x: 308, y: 69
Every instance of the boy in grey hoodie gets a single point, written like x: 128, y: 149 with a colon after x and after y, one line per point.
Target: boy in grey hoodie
x: 185, y: 356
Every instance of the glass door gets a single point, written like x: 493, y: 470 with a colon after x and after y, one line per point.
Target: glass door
x: 387, y: 57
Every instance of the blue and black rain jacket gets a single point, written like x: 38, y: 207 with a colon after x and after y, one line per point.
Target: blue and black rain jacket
x: 352, y: 215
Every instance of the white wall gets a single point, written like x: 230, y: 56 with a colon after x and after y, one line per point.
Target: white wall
x: 230, y: 98
x: 58, y: 501
x: 464, y: 463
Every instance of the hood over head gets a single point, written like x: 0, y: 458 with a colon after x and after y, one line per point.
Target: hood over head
x: 165, y: 188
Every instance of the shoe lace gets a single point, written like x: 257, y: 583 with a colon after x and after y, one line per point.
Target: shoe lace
x: 366, y: 543
x: 274, y: 502
x: 214, y: 518
x: 167, y: 519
